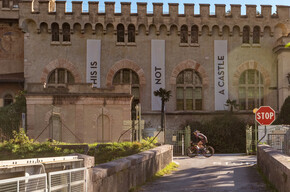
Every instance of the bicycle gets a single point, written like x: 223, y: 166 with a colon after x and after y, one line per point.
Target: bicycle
x: 193, y: 151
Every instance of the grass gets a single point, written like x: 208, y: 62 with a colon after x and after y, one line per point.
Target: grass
x: 167, y: 170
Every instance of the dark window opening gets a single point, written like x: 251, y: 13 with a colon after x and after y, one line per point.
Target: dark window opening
x: 194, y: 34
x: 184, y: 34
x: 66, y: 32
x: 131, y: 33
x: 246, y: 34
x: 120, y: 33
x: 8, y: 99
x: 55, y: 32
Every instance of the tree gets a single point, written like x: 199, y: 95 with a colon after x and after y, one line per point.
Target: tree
x: 284, y: 115
x: 164, y: 95
x: 233, y: 104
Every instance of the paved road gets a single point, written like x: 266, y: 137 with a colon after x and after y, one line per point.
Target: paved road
x: 220, y: 173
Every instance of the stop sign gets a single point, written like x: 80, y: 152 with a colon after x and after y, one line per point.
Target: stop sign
x: 265, y: 115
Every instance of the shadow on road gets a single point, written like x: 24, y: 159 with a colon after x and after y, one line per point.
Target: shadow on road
x: 215, y: 174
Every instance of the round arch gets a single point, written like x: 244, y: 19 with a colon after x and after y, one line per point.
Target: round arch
x: 251, y: 64
x: 128, y: 64
x: 189, y: 64
x: 60, y: 63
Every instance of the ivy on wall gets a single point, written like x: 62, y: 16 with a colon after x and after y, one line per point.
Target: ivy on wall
x: 11, y: 116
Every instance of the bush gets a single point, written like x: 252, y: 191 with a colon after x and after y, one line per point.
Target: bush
x: 284, y: 115
x: 23, y: 147
x: 227, y: 133
x: 111, y: 151
x: 10, y: 116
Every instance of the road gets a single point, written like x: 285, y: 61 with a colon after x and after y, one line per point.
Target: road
x: 219, y: 173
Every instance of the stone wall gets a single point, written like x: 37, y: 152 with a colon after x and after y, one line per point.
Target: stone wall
x: 131, y: 171
x: 287, y: 142
x: 276, y: 167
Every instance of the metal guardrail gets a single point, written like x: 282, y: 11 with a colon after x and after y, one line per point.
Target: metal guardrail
x: 33, y: 183
x: 73, y: 180
x: 36, y: 160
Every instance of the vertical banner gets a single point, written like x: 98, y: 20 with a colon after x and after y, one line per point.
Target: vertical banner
x: 221, y: 73
x: 157, y: 71
x: 94, y: 62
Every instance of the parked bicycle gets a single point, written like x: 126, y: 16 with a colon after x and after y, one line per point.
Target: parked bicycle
x: 194, y: 150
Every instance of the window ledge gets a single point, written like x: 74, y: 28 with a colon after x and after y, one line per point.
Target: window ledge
x: 194, y: 44
x: 246, y: 45
x: 183, y: 44
x: 120, y: 43
x: 256, y: 45
x: 66, y: 43
x: 55, y: 43
x: 131, y: 44
x: 5, y: 9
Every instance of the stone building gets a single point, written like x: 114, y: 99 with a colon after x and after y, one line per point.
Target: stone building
x: 84, y: 64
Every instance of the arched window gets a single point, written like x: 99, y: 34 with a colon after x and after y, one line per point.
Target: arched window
x: 194, y: 34
x: 129, y: 77
x: 60, y: 76
x: 188, y: 90
x: 256, y: 35
x: 54, y: 32
x: 184, y: 34
x: 251, y: 90
x: 66, y: 32
x: 131, y: 33
x: 5, y: 3
x: 120, y: 33
x: 7, y: 100
x: 246, y: 34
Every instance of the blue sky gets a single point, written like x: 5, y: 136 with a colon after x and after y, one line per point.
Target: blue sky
x: 181, y: 8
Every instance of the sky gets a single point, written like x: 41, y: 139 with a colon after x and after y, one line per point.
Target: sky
x: 181, y: 8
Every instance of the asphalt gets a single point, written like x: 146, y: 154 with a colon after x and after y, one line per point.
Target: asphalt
x: 219, y: 173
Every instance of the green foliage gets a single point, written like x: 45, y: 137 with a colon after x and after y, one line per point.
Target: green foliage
x: 10, y: 116
x: 111, y: 151
x: 167, y: 170
x: 232, y: 104
x: 284, y: 115
x: 227, y: 133
x: 20, y: 146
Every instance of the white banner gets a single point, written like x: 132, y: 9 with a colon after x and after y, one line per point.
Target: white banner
x: 94, y: 62
x: 221, y: 73
x: 157, y: 71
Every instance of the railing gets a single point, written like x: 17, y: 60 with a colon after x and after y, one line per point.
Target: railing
x: 276, y: 141
x: 73, y: 180
x: 33, y: 183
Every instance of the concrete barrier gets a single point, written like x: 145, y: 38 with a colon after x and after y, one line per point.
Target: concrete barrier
x: 276, y: 166
x: 123, y: 174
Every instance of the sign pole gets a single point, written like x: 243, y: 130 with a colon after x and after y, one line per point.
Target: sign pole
x: 256, y: 136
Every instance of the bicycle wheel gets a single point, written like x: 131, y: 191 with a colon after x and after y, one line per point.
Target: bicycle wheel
x: 208, y: 151
x: 191, y: 151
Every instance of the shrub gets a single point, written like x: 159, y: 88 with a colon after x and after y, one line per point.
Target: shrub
x: 227, y: 133
x: 111, y: 151
x: 10, y: 116
x: 284, y: 115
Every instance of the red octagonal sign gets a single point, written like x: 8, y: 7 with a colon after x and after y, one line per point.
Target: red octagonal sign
x: 265, y: 115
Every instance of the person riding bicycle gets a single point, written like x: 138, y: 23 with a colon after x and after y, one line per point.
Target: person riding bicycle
x: 201, y: 138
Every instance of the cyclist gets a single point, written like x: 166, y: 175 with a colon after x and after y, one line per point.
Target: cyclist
x: 201, y: 138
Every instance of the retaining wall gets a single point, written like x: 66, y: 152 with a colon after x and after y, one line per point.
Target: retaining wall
x: 275, y: 166
x: 287, y: 143
x: 123, y: 174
